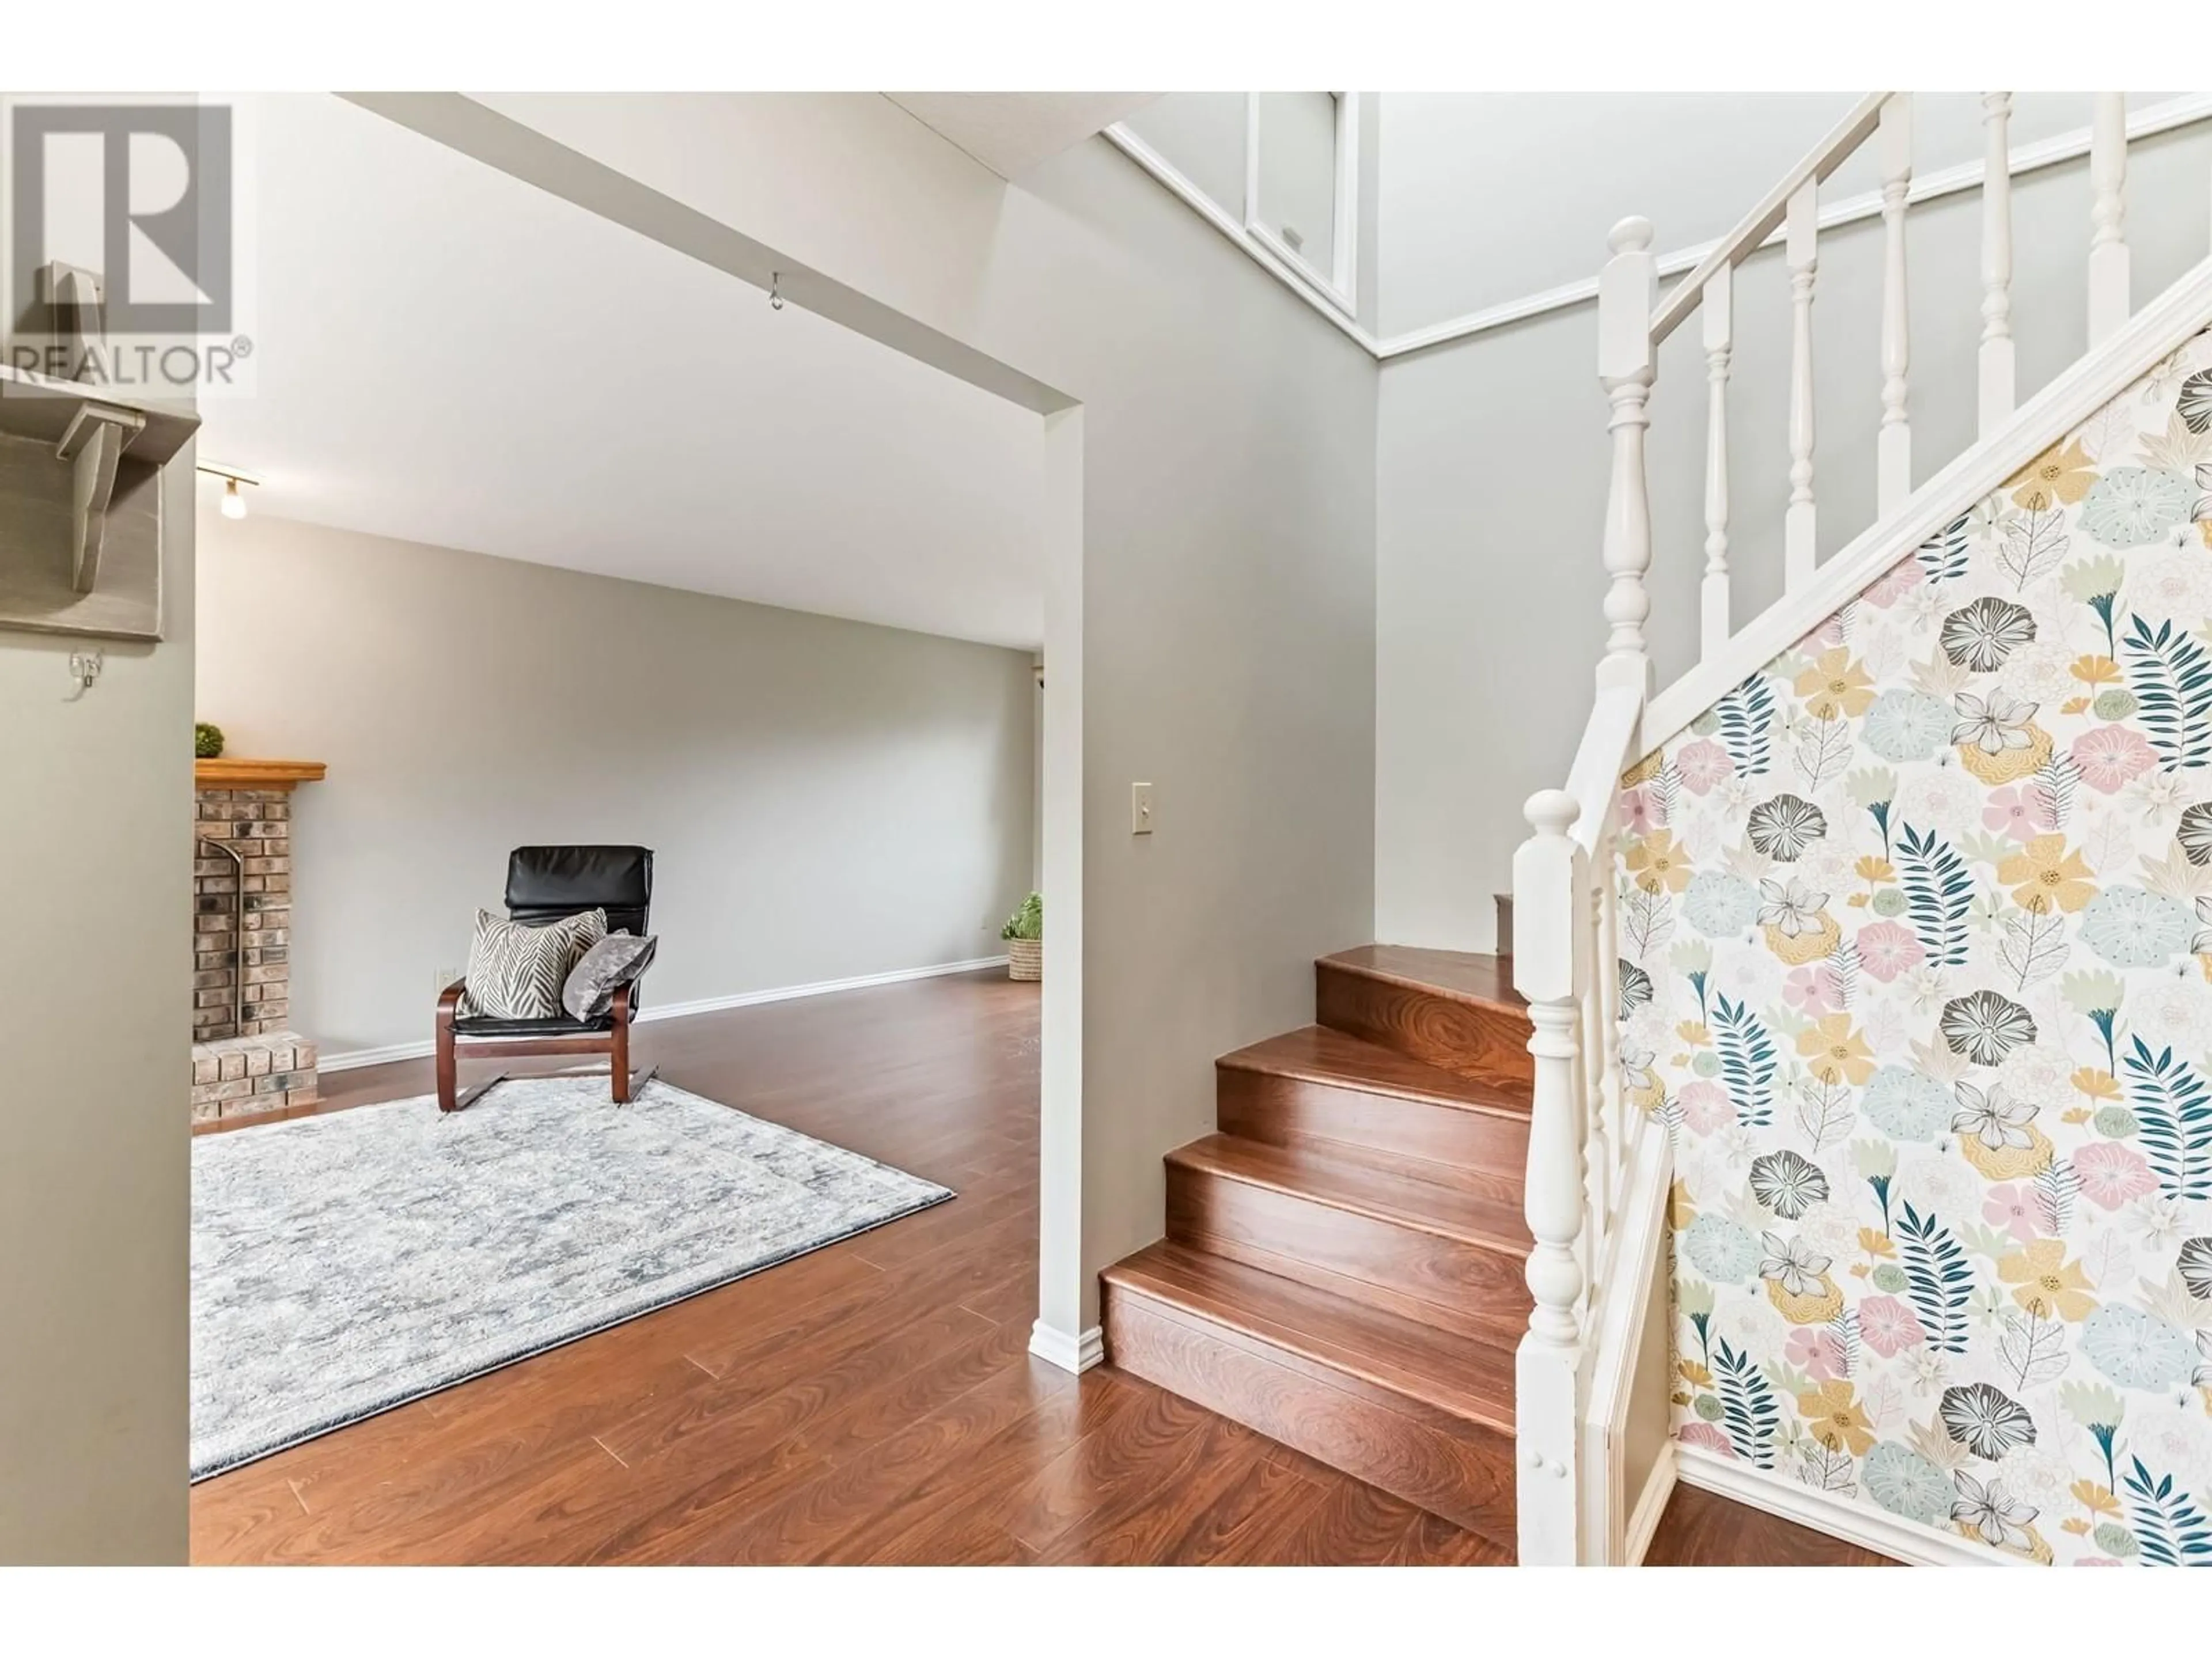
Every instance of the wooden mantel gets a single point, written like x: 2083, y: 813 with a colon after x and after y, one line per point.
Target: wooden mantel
x: 224, y: 772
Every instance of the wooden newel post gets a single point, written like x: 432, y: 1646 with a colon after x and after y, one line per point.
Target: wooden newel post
x: 1626, y: 365
x: 1550, y: 968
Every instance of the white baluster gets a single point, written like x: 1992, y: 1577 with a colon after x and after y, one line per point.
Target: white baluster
x: 1802, y: 251
x: 1591, y: 1095
x: 1588, y: 1045
x: 2108, y: 216
x: 1604, y: 1057
x: 1894, y: 446
x: 1551, y: 884
x: 1996, y: 358
x: 1718, y: 321
x: 1627, y: 366
x: 1616, y: 1097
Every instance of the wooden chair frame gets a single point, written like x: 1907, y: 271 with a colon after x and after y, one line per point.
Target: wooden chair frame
x: 454, y: 1046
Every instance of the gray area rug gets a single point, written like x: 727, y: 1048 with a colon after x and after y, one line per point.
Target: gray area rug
x: 346, y: 1264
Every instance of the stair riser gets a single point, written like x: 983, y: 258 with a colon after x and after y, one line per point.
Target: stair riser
x: 1460, y: 1471
x: 1286, y: 1111
x: 1489, y: 1044
x: 1418, y: 1275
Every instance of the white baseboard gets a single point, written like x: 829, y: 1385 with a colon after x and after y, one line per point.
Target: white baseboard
x: 1912, y: 1542
x: 1071, y: 1353
x: 1643, y: 1520
x: 351, y: 1058
x: 354, y: 1058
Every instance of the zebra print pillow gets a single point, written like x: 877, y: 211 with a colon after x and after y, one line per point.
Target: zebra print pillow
x: 516, y: 972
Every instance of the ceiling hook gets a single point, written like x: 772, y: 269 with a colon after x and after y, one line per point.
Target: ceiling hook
x: 774, y: 294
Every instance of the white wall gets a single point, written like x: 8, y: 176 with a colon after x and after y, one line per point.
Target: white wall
x: 1486, y: 199
x: 1205, y: 135
x: 825, y: 798
x: 1227, y: 603
x: 1036, y: 752
x: 1491, y: 473
x: 96, y: 828
x: 760, y: 421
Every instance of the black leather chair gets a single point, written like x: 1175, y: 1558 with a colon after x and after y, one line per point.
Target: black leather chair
x: 545, y: 884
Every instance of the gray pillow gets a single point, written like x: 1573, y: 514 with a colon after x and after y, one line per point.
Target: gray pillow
x: 612, y: 962
x: 516, y: 972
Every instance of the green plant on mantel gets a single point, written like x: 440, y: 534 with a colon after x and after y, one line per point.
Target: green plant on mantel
x: 1027, y: 922
x: 207, y: 740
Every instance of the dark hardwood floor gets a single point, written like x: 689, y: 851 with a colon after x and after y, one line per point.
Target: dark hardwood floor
x: 873, y: 1401
x: 1702, y: 1530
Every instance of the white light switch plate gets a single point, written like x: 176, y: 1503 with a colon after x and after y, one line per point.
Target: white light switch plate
x: 1140, y: 809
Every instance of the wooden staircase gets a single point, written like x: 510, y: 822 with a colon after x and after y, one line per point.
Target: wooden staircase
x: 1342, y: 1270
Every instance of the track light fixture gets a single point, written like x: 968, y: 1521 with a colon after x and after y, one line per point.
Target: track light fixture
x: 235, y: 482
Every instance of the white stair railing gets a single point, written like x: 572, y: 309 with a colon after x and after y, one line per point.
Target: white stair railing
x: 1591, y: 1169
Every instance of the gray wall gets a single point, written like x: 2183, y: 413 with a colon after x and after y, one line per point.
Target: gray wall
x: 1228, y: 646
x: 825, y: 798
x: 96, y: 817
x: 1491, y: 470
x: 1227, y: 602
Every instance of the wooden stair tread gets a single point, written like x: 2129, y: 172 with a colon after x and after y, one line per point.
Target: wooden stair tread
x: 1461, y: 1375
x: 1344, y: 1265
x: 1461, y: 976
x: 1317, y: 1053
x: 1402, y: 1192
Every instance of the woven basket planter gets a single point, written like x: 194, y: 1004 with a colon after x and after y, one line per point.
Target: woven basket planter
x: 1025, y: 958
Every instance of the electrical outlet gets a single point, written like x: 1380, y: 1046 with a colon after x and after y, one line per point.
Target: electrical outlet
x: 446, y: 976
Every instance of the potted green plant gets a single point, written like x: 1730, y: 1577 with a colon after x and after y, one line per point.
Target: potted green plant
x: 207, y: 740
x: 1024, y: 937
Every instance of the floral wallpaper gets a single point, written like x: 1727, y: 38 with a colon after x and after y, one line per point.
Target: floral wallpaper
x: 1916, y: 970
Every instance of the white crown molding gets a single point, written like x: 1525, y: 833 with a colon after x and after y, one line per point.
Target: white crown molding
x: 350, y: 1059
x: 2091, y: 382
x: 2174, y: 114
x: 1077, y: 1354
x: 1913, y: 1542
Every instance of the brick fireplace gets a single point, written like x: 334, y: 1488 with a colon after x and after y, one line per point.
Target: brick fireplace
x: 246, y: 1060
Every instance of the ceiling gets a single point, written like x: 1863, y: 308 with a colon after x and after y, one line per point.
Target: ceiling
x: 446, y: 355
x: 1010, y: 132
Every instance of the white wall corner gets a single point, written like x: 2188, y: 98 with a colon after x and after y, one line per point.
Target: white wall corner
x: 1076, y: 1354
